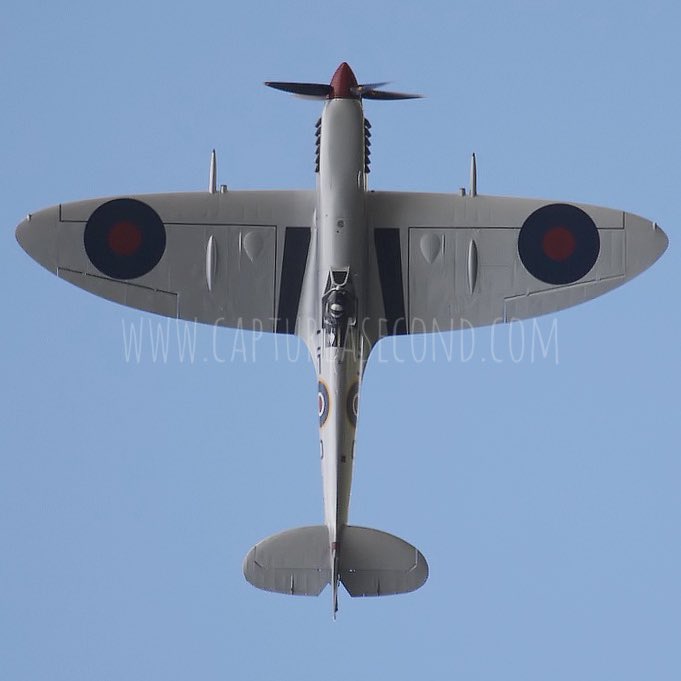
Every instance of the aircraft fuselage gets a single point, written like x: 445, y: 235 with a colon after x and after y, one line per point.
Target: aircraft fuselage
x: 341, y: 350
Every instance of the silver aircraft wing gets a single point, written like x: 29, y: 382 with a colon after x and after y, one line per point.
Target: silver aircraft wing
x: 443, y: 261
x: 233, y: 259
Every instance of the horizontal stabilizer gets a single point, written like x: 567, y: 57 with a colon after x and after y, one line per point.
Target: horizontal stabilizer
x: 293, y: 562
x: 375, y: 563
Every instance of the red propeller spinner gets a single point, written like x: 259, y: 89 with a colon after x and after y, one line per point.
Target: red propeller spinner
x: 343, y: 83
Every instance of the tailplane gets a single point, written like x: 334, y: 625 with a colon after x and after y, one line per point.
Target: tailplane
x: 302, y: 562
x: 296, y: 562
x: 375, y: 563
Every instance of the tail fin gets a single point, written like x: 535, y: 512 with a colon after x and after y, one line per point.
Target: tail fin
x: 370, y: 562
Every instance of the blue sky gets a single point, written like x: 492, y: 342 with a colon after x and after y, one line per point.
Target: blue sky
x: 544, y: 493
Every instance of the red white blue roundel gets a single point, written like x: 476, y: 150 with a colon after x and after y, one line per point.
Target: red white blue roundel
x: 352, y: 403
x: 558, y: 243
x: 322, y: 403
x: 124, y: 238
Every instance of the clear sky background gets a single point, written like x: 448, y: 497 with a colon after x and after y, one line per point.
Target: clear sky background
x: 546, y: 495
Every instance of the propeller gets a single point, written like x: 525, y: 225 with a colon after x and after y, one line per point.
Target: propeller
x: 343, y: 86
x: 386, y: 95
x: 368, y: 86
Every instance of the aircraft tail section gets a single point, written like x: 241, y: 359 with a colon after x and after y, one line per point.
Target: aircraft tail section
x: 375, y: 563
x: 369, y: 562
x: 295, y: 562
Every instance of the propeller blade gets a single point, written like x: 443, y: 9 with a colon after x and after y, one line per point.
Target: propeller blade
x: 364, y: 87
x: 386, y: 96
x: 304, y: 89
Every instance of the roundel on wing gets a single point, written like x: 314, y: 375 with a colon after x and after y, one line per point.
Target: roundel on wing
x: 558, y: 243
x: 124, y: 238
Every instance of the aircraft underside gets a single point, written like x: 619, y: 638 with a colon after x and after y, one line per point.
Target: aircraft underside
x: 342, y: 267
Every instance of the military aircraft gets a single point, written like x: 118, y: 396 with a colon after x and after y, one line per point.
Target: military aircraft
x: 341, y: 266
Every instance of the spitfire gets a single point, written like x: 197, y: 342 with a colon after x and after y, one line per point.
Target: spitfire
x: 342, y: 267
